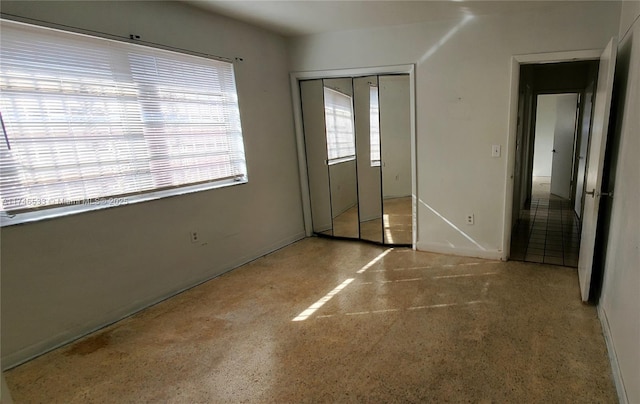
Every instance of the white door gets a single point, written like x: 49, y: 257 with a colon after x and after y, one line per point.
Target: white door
x: 582, y: 148
x: 563, y: 139
x: 595, y: 161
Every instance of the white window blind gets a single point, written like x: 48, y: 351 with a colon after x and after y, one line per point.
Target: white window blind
x: 341, y: 145
x: 87, y: 120
x: 374, y: 126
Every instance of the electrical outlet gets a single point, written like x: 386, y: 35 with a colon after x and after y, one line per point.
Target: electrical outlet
x: 495, y: 150
x: 470, y: 218
x: 194, y: 237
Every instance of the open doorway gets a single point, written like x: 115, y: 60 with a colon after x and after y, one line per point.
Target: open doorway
x: 590, y: 73
x: 554, y: 119
x: 555, y: 134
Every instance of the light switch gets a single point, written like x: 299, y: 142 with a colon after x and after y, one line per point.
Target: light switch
x: 495, y: 150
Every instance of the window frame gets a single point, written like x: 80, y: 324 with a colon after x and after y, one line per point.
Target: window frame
x: 377, y: 142
x: 37, y: 212
x: 340, y: 158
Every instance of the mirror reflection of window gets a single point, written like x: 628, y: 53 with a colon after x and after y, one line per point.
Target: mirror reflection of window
x: 341, y: 142
x: 374, y: 126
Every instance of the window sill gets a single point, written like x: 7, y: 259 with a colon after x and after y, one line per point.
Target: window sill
x: 8, y: 219
x: 340, y: 160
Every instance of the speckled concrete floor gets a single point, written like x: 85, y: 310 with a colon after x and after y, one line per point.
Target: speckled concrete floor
x: 409, y: 327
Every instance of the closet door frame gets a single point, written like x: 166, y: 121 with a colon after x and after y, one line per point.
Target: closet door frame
x: 296, y: 77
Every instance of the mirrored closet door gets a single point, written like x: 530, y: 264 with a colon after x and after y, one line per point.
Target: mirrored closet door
x: 358, y: 152
x: 341, y: 156
x: 395, y: 130
x: 368, y: 157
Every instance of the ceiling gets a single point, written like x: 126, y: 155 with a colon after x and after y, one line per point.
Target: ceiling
x: 306, y: 17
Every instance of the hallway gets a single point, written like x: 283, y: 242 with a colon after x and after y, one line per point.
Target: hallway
x: 548, y: 230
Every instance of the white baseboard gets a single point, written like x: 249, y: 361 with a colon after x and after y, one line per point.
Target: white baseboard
x: 67, y: 336
x: 467, y: 252
x: 613, y: 358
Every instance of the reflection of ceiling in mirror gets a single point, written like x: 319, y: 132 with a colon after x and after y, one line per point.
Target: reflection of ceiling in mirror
x: 342, y: 85
x: 337, y: 89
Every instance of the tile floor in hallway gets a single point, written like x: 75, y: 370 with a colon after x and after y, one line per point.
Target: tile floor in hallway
x: 548, y: 230
x: 372, y: 324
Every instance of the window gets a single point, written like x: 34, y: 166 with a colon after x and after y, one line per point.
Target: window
x: 89, y: 122
x: 374, y: 126
x: 341, y: 143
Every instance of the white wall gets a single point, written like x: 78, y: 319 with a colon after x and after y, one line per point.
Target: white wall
x: 545, y: 126
x: 5, y: 394
x: 620, y: 300
x: 64, y: 277
x: 462, y: 94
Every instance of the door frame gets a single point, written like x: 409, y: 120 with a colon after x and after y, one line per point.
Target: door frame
x: 512, y: 126
x: 296, y: 77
